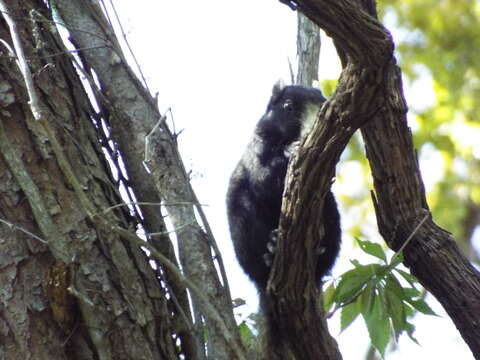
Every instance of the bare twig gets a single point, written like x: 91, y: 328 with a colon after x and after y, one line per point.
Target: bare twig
x: 147, y: 138
x: 18, y: 228
x: 130, y: 50
x: 210, y: 311
x: 22, y: 62
x: 410, y: 237
x: 149, y: 204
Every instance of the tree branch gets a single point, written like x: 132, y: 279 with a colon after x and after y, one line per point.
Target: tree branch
x: 360, y: 94
x: 359, y: 35
x: 400, y: 202
x: 133, y: 114
x: 399, y: 199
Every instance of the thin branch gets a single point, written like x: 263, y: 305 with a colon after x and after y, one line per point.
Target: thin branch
x: 40, y: 211
x: 210, y: 311
x: 18, y: 228
x: 71, y: 51
x: 147, y: 138
x: 148, y: 204
x: 176, y: 230
x: 21, y: 60
x: 10, y: 50
x: 212, y: 242
x: 124, y: 35
x: 292, y: 74
x: 410, y: 237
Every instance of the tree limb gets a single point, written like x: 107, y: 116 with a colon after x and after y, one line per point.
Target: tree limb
x: 400, y: 202
x: 360, y: 94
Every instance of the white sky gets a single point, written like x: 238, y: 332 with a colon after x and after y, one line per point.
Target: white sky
x: 214, y: 63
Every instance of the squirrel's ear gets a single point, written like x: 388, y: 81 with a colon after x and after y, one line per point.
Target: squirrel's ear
x: 277, y: 88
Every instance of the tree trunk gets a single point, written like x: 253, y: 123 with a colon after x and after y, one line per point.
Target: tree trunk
x: 370, y: 91
x: 308, y: 50
x: 76, y: 284
x: 432, y: 255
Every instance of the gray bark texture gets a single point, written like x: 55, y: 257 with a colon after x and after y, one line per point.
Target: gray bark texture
x: 75, y: 283
x: 308, y: 50
x: 369, y: 96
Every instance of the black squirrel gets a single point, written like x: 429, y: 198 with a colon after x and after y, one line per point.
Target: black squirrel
x: 254, y: 196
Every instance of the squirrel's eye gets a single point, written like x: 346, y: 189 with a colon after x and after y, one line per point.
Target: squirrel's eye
x: 288, y: 105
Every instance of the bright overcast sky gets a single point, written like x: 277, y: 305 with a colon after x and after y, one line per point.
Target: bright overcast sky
x: 214, y: 63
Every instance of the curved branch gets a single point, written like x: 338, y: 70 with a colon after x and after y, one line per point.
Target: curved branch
x: 358, y: 34
x: 360, y: 94
x: 370, y: 88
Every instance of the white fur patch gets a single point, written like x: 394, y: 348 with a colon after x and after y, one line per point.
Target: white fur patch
x: 309, y: 117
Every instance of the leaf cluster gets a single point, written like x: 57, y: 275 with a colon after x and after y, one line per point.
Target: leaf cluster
x: 376, y: 292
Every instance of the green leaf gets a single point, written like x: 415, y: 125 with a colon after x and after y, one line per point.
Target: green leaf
x: 409, y: 311
x: 352, y: 282
x: 412, y: 280
x: 328, y: 86
x: 410, y: 293
x: 395, y: 310
x: 378, y: 326
x: 355, y: 263
x: 349, y: 314
x: 328, y: 294
x: 367, y: 298
x: 372, y: 249
x: 410, y: 330
x: 393, y: 285
x: 382, y: 271
x: 422, y: 306
x: 397, y: 259
x: 246, y: 334
x: 348, y: 288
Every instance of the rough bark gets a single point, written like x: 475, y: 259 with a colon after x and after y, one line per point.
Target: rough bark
x: 369, y: 90
x: 133, y: 115
x: 75, y: 281
x: 358, y: 96
x: 81, y: 292
x: 400, y: 203
x: 308, y: 50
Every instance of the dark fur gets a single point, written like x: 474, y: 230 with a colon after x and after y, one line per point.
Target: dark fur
x: 254, y: 195
x: 255, y: 192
